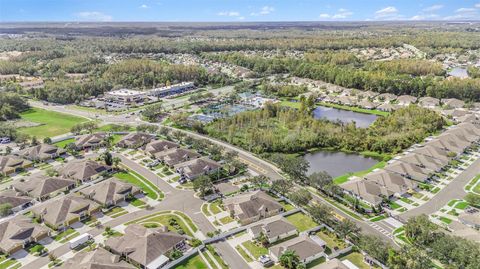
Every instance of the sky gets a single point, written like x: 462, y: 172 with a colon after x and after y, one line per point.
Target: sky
x: 237, y: 10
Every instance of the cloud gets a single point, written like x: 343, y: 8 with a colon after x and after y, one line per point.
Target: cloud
x: 264, y: 11
x: 388, y: 13
x: 433, y: 8
x: 229, y: 13
x: 477, y: 5
x: 93, y: 16
x: 464, y: 13
x: 465, y: 10
x: 342, y: 13
x: 422, y: 17
x: 143, y: 6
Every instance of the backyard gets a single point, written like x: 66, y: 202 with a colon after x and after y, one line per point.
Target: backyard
x: 52, y: 123
x: 301, y: 221
x: 149, y: 188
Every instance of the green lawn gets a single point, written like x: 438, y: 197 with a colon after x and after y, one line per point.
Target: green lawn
x: 254, y: 249
x: 149, y: 188
x: 332, y: 241
x: 344, y: 178
x: 287, y: 206
x: 243, y: 254
x: 163, y: 218
x: 116, y: 212
x: 301, y: 221
x: 64, y: 143
x: 53, y: 123
x: 226, y: 220
x: 445, y: 220
x: 461, y: 205
x: 215, y: 207
x: 195, y: 262
x: 357, y: 259
x: 217, y: 257
x: 66, y: 235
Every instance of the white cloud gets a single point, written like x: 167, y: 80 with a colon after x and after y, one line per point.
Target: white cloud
x: 388, y: 13
x: 93, y: 16
x: 477, y: 5
x: 433, y: 8
x: 465, y: 10
x: 422, y: 17
x: 342, y: 13
x: 264, y: 11
x: 229, y: 13
x: 464, y: 13
x: 143, y: 6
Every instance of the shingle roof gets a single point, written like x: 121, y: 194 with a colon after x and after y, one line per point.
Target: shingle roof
x: 109, y: 191
x: 10, y: 162
x: 251, y: 204
x: 144, y: 245
x: 16, y: 230
x: 160, y: 145
x: 331, y: 264
x: 368, y: 190
x: 135, y: 140
x: 197, y: 167
x: 89, y: 140
x: 82, y: 169
x: 277, y: 228
x: 176, y: 155
x: 393, y: 182
x: 406, y: 99
x: 302, y: 245
x: 428, y: 101
x: 13, y: 198
x: 423, y: 161
x: 98, y: 259
x: 434, y: 152
x: 40, y: 186
x: 40, y: 152
x: 408, y: 170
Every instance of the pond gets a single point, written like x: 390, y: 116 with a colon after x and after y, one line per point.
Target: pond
x: 458, y: 72
x: 337, y: 163
x: 361, y: 120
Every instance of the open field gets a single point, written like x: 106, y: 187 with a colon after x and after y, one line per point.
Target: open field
x: 52, y: 123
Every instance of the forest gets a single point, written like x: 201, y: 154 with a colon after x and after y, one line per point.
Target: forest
x: 281, y: 129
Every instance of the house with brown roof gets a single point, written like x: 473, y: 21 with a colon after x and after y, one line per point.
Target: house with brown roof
x: 406, y: 100
x: 252, y: 206
x: 387, y: 107
x: 306, y: 249
x: 43, y: 187
x: 19, y: 232
x: 452, y: 143
x: 274, y: 230
x: 83, y: 170
x: 423, y: 161
x: 471, y: 219
x: 197, y: 167
x: 453, y: 103
x: 464, y: 133
x: 366, y: 104
x: 135, y: 140
x: 434, y: 152
x: 393, y: 182
x: 16, y: 200
x: 42, y: 152
x: 428, y: 102
x: 94, y: 140
x: 445, y: 146
x: 175, y: 156
x: 10, y: 164
x: 110, y: 192
x: 160, y: 145
x: 367, y: 94
x: 344, y: 100
x: 385, y: 98
x: 62, y: 213
x: 146, y: 247
x: 368, y: 191
x: 409, y: 171
x: 97, y: 259
x: 332, y: 264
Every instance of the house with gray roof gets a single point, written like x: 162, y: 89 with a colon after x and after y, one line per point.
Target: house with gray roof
x: 19, y: 232
x: 252, y: 206
x: 367, y: 94
x: 391, y: 181
x: 471, y: 219
x: 10, y: 164
x: 365, y: 103
x: 160, y: 145
x: 434, y: 152
x: 61, y: 213
x: 453, y: 143
x: 306, y: 249
x: 453, y: 103
x: 110, y: 192
x: 423, y: 161
x: 175, y: 156
x: 94, y: 140
x: 16, y: 200
x: 197, y: 167
x: 368, y: 191
x: 146, y: 247
x: 274, y: 230
x: 83, y: 170
x: 43, y: 187
x: 387, y: 107
x: 408, y: 170
x: 97, y: 259
x: 406, y: 100
x: 135, y: 140
x: 385, y: 98
x: 452, y: 149
x: 42, y: 152
x: 428, y: 102
x: 331, y: 264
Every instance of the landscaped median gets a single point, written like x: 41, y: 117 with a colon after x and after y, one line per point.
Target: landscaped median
x: 138, y: 180
x: 174, y: 220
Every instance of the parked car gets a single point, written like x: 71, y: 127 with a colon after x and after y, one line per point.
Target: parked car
x: 265, y: 261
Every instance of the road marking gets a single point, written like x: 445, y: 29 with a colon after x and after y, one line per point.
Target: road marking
x: 198, y: 212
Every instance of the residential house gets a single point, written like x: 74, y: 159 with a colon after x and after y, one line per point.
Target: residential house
x: 160, y: 145
x: 197, y: 167
x: 175, y: 156
x: 144, y: 247
x: 453, y: 143
x: 368, y: 191
x: 445, y: 146
x: 387, y: 107
x: 17, y: 201
x: 453, y: 103
x: 462, y: 135
x: 345, y: 100
x: 408, y: 170
x: 10, y: 164
x: 83, y: 170
x: 471, y: 219
x: 367, y: 94
x: 97, y: 259
x: 252, y: 206
x: 385, y: 98
x: 306, y: 249
x: 42, y: 152
x: 135, y: 140
x: 423, y: 161
x: 110, y: 192
x: 43, y: 187
x: 273, y: 231
x: 94, y: 140
x: 365, y: 103
x: 406, y: 100
x: 61, y: 213
x: 391, y: 181
x: 332, y: 264
x: 19, y: 232
x: 434, y: 152
x: 428, y: 102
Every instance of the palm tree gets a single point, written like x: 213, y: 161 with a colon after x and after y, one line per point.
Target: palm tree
x: 289, y: 259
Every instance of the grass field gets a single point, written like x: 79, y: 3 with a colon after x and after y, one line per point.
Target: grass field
x: 301, y: 221
x: 196, y: 262
x: 149, y: 188
x: 254, y: 249
x: 63, y: 143
x: 344, y: 178
x: 53, y: 123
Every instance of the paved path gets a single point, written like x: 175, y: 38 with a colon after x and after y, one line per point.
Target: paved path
x: 454, y: 190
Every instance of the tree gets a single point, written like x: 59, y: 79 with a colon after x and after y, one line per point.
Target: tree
x: 300, y: 197
x: 375, y: 247
x: 319, y: 180
x: 51, y: 172
x: 107, y: 158
x: 259, y: 181
x: 289, y: 259
x: 473, y: 199
x: 346, y: 227
x: 203, y: 184
x: 5, y: 209
x: 295, y: 167
x: 420, y: 230
x: 34, y: 141
x: 8, y: 150
x: 282, y: 186
x: 47, y: 140
x: 321, y: 212
x: 175, y: 254
x: 409, y: 257
x: 116, y: 161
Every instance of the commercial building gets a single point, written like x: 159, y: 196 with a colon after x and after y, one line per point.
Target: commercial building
x: 125, y: 96
x: 172, y: 89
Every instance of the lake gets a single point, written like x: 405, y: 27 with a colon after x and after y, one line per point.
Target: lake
x: 337, y: 163
x: 458, y: 72
x: 361, y: 120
